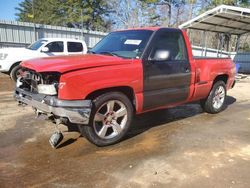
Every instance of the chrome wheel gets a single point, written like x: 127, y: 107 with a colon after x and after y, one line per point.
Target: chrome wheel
x: 219, y: 97
x: 110, y: 119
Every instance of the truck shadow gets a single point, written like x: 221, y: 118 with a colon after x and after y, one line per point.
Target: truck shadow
x: 67, y: 142
x: 146, y: 121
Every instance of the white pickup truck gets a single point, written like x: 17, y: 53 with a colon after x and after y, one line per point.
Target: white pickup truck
x: 10, y: 58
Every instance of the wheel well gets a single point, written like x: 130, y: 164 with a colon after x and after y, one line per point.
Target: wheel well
x: 223, y: 77
x: 15, y: 64
x: 128, y: 91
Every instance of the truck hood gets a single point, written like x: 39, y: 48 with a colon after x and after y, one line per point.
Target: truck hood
x: 13, y: 50
x: 75, y: 62
x: 18, y: 53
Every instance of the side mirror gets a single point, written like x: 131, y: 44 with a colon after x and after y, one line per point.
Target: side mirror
x: 45, y: 49
x: 161, y: 55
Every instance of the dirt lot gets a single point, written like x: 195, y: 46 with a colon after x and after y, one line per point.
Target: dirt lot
x: 179, y: 147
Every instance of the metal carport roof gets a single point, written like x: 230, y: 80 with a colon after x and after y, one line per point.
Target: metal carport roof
x: 222, y: 19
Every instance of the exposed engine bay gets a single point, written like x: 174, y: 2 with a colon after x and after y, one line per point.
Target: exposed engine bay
x: 44, y: 83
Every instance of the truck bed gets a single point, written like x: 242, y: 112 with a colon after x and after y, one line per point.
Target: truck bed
x: 199, y: 57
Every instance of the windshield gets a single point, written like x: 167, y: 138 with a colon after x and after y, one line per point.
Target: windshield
x: 126, y: 44
x: 36, y: 45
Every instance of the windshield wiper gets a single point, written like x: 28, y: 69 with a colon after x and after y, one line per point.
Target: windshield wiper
x: 107, y: 53
x: 91, y: 52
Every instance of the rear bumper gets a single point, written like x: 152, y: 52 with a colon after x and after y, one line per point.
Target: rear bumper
x: 76, y: 111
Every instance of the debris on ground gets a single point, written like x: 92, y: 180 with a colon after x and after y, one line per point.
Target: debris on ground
x: 242, y: 76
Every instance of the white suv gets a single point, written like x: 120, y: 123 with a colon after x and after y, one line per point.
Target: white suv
x: 10, y: 58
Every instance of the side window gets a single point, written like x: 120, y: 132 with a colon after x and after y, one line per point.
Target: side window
x: 174, y: 43
x: 183, y: 50
x: 74, y: 47
x: 56, y: 46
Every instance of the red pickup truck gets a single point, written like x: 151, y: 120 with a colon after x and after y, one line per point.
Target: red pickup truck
x: 128, y: 72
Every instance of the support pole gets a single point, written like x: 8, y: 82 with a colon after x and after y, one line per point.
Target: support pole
x: 228, y: 46
x: 203, y: 42
x: 238, y: 43
x: 218, y: 45
x: 222, y: 44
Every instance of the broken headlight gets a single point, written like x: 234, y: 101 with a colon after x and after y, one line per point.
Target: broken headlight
x: 47, y: 89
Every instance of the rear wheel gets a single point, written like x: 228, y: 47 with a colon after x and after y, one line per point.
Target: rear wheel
x: 214, y: 103
x: 110, y: 119
x: 15, y: 72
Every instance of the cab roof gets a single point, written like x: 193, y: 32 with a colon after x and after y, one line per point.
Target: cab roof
x: 61, y: 39
x: 147, y: 28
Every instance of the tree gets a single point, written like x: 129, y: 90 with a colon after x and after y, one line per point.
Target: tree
x: 90, y: 14
x: 133, y: 13
x: 191, y: 4
x: 124, y: 13
x: 243, y: 3
x: 40, y: 11
x: 172, y: 7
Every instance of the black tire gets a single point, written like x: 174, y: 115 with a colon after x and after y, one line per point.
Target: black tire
x: 207, y: 104
x: 14, y: 72
x: 90, y: 131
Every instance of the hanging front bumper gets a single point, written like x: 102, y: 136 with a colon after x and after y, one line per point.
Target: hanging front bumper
x: 76, y: 111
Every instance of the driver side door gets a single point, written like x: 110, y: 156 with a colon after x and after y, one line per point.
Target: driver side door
x: 166, y: 81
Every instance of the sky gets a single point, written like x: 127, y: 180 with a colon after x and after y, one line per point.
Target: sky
x: 7, y: 9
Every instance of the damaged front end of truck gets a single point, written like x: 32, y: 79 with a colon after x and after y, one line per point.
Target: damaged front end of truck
x: 40, y: 91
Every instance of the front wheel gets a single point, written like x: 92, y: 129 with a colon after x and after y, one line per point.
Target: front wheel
x: 16, y: 73
x: 215, y: 102
x: 110, y: 119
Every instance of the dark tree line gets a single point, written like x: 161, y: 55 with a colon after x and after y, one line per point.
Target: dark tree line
x: 89, y: 14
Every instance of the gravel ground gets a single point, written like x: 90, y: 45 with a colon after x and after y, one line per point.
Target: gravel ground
x: 178, y: 147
